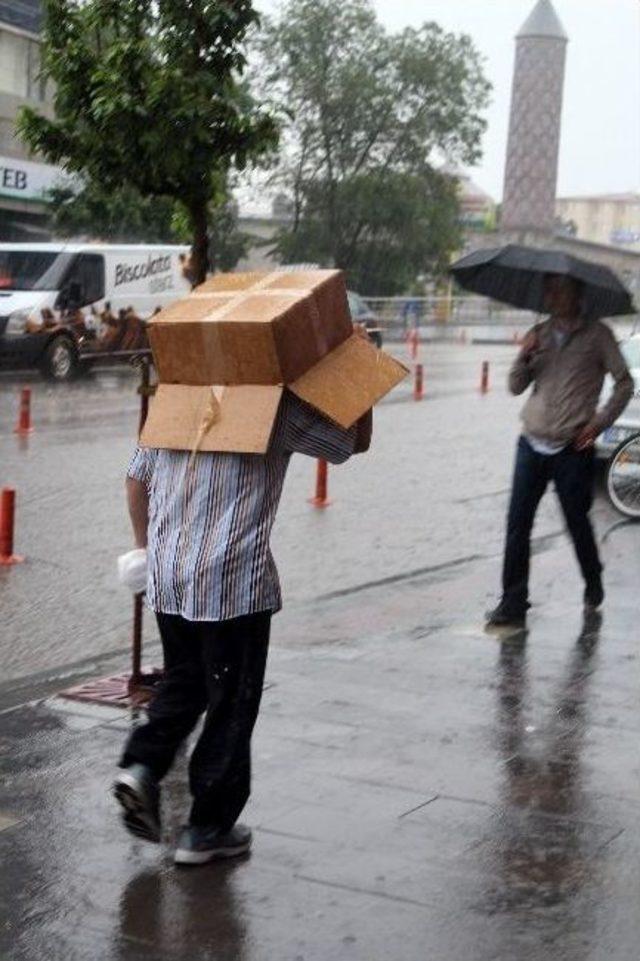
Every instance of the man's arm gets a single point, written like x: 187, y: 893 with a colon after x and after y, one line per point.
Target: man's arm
x: 614, y: 364
x: 139, y: 473
x: 522, y: 370
x: 364, y: 429
x: 138, y: 503
x: 624, y: 386
x: 305, y: 431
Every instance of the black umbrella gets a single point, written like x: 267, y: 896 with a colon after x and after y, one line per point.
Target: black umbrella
x: 515, y: 275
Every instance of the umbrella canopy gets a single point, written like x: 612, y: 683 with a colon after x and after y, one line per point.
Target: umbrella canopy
x: 516, y: 275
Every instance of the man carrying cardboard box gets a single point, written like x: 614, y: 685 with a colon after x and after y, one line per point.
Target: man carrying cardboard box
x: 252, y: 369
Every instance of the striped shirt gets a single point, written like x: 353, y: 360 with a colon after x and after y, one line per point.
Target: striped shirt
x: 210, y: 525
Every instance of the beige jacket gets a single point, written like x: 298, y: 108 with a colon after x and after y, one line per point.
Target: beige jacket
x: 567, y: 382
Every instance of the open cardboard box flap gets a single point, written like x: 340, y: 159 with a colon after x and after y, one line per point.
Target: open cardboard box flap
x: 244, y: 422
x: 346, y: 383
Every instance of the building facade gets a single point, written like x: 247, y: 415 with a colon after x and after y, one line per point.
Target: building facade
x: 603, y: 219
x: 23, y: 180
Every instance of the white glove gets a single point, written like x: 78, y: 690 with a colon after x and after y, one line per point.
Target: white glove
x: 132, y: 570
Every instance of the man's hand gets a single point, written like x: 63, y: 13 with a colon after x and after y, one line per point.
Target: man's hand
x: 587, y: 437
x: 132, y: 570
x: 530, y: 344
x: 361, y: 331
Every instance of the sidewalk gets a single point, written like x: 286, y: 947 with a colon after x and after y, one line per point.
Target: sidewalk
x: 421, y: 792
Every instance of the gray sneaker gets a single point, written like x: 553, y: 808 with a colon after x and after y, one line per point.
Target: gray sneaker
x: 137, y: 792
x: 197, y: 845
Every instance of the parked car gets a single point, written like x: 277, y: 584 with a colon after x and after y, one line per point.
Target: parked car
x: 62, y: 305
x: 361, y: 313
x: 629, y: 423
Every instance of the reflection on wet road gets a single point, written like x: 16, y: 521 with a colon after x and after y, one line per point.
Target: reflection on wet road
x: 422, y: 789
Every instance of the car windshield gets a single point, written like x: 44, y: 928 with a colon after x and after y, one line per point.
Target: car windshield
x: 32, y: 269
x: 356, y: 306
x: 631, y: 351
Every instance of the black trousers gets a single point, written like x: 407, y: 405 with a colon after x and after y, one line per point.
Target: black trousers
x: 217, y: 667
x: 573, y: 475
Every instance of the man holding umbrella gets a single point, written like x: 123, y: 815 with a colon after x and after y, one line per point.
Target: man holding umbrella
x: 565, y: 359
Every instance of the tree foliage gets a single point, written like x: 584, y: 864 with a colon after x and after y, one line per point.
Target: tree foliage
x: 368, y: 115
x: 121, y: 214
x: 124, y: 215
x: 409, y: 227
x: 148, y: 95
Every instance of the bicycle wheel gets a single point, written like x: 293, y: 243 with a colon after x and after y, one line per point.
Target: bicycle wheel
x: 623, y: 478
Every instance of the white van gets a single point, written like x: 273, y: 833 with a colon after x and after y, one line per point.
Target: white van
x: 65, y: 304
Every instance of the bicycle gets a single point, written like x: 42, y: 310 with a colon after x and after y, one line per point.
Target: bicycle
x: 623, y: 477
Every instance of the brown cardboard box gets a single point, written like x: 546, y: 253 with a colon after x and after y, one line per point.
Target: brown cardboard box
x: 236, y: 329
x: 225, y: 353
x: 244, y: 418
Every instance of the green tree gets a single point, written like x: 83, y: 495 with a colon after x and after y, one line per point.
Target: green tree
x: 227, y: 243
x: 121, y: 214
x: 148, y: 95
x: 367, y: 118
x: 409, y: 228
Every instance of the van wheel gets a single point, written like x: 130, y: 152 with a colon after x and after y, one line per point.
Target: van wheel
x: 60, y: 359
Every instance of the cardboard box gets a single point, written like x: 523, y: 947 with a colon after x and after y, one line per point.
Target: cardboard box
x: 251, y: 328
x: 225, y: 353
x: 244, y: 421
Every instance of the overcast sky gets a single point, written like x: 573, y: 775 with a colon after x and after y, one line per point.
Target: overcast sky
x: 600, y: 149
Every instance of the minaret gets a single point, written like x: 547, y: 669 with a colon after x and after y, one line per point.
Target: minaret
x: 531, y: 174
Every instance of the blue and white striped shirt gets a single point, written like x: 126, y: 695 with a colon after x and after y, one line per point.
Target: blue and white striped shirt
x: 210, y: 525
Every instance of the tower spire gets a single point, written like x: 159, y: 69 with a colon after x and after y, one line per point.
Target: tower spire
x: 543, y: 21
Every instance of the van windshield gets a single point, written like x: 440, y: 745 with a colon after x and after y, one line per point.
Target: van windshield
x: 32, y: 269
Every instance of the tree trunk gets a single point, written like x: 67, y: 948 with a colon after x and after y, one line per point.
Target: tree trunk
x: 200, y: 246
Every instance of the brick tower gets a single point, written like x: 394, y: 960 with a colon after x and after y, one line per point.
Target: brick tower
x: 531, y: 173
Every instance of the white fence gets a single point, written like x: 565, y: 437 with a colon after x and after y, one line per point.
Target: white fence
x: 474, y: 319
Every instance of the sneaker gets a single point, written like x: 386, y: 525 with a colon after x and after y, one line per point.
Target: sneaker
x: 197, y: 845
x: 500, y: 616
x: 593, y: 596
x: 137, y: 792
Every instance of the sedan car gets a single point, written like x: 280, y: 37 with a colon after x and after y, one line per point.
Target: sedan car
x: 629, y: 422
x: 361, y: 313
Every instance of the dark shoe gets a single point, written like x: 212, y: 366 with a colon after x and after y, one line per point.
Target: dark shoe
x: 590, y: 633
x: 197, y: 845
x: 502, y: 617
x: 137, y: 792
x: 593, y: 596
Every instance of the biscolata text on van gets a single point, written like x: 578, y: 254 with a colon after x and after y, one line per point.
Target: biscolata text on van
x: 127, y: 273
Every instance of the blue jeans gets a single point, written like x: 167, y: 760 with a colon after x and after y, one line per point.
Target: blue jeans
x: 572, y: 473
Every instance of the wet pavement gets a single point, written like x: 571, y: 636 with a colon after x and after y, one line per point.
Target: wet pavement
x: 422, y: 789
x: 431, y: 494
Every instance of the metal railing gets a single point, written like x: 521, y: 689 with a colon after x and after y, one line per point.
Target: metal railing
x: 455, y: 318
